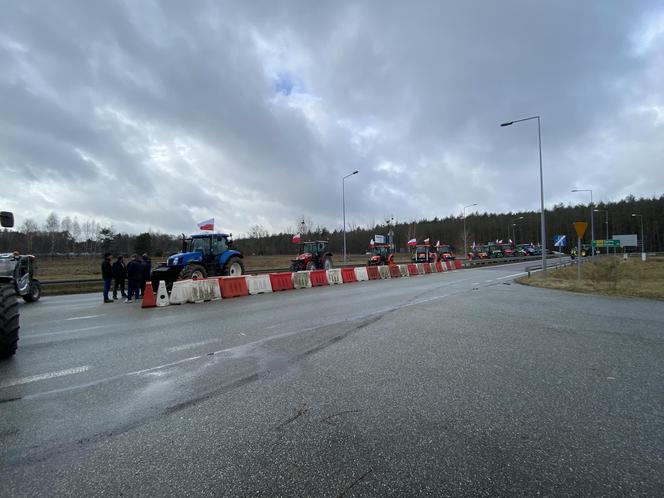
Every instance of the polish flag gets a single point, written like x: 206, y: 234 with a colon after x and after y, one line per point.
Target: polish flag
x: 206, y: 225
x: 426, y: 241
x: 412, y: 242
x: 296, y: 238
x: 438, y: 244
x: 371, y: 243
x: 473, y: 244
x: 511, y: 241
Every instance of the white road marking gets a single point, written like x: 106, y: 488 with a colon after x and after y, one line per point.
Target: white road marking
x: 488, y: 281
x: 49, y: 375
x: 511, y: 276
x: 83, y: 317
x: 191, y: 345
x: 476, y: 283
x: 72, y: 331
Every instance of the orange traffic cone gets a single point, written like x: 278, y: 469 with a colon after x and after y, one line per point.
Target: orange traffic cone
x: 149, y: 300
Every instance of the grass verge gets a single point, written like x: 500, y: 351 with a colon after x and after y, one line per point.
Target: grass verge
x: 608, y: 276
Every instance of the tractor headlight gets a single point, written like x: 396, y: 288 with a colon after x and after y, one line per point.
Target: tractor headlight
x: 176, y: 261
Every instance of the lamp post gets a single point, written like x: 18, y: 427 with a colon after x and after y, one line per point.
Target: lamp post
x: 465, y: 236
x: 514, y: 229
x: 543, y: 227
x: 605, y: 211
x: 343, y: 204
x: 643, y: 241
x: 592, y: 218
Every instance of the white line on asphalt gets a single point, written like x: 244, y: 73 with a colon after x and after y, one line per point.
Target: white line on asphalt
x: 61, y: 332
x: 191, y: 345
x: 49, y: 375
x: 83, y: 317
x: 511, y: 276
x: 476, y: 283
x: 487, y: 281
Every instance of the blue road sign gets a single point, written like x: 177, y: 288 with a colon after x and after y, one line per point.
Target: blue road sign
x: 560, y: 240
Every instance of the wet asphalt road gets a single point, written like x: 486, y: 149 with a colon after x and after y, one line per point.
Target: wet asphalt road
x: 461, y: 383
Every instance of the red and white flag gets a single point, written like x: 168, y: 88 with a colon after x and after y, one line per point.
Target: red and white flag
x: 438, y: 244
x: 412, y: 242
x: 371, y: 243
x: 296, y: 238
x: 511, y: 241
x: 426, y: 241
x: 473, y: 244
x: 206, y: 225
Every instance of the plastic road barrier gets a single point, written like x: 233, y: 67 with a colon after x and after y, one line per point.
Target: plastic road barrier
x: 373, y: 272
x: 301, y: 280
x: 448, y: 263
x: 434, y: 268
x: 334, y: 276
x: 395, y: 271
x: 234, y: 287
x: 439, y: 266
x: 457, y: 264
x: 420, y: 268
x: 205, y: 289
x: 281, y: 281
x: 258, y: 284
x: 361, y: 274
x: 162, y: 295
x: 403, y: 269
x: 412, y: 270
x: 384, y: 271
x: 348, y: 275
x: 181, y: 291
x: 427, y: 267
x: 149, y: 300
x: 318, y: 278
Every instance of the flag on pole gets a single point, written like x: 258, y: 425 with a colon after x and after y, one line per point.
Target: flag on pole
x: 206, y: 225
x: 412, y: 242
x: 371, y: 243
x: 296, y: 238
x: 510, y: 241
x: 473, y: 244
x: 438, y: 244
x: 426, y: 241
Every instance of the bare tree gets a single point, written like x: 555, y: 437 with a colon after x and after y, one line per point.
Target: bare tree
x: 51, y: 227
x: 65, y: 228
x: 75, y: 231
x: 29, y: 228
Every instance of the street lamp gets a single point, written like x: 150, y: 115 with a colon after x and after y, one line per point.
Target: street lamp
x: 643, y: 241
x: 343, y: 203
x: 592, y: 218
x: 514, y: 229
x: 543, y: 228
x: 465, y: 236
x: 605, y: 211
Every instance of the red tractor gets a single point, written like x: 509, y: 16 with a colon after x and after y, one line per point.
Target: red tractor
x: 478, y: 252
x: 445, y: 252
x: 508, y: 250
x: 312, y: 255
x: 424, y: 253
x: 381, y: 254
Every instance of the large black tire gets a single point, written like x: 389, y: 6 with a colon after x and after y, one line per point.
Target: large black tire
x: 8, y: 321
x: 192, y: 271
x: 34, y: 294
x: 327, y: 263
x: 234, y: 267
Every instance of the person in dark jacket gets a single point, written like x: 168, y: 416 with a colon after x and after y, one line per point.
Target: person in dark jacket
x: 134, y: 278
x: 107, y: 275
x: 119, y: 276
x: 147, y: 272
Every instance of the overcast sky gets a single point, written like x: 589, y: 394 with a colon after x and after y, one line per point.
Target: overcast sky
x: 156, y: 115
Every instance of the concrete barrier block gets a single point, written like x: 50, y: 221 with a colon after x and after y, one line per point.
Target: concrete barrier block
x: 259, y: 284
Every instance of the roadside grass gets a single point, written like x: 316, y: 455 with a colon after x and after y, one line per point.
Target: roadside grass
x: 608, y: 276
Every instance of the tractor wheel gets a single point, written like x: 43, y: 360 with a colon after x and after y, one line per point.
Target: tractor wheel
x: 8, y: 321
x: 192, y: 271
x: 327, y: 263
x: 311, y: 266
x: 34, y: 294
x: 234, y: 267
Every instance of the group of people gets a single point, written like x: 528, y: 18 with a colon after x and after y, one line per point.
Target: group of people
x: 136, y: 274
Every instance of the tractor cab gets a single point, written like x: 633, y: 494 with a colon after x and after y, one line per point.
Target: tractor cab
x: 424, y: 254
x: 494, y: 251
x: 312, y: 255
x: 445, y: 252
x: 380, y: 254
x: 478, y: 252
x: 20, y: 270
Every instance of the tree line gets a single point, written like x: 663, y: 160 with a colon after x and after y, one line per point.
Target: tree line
x: 68, y: 236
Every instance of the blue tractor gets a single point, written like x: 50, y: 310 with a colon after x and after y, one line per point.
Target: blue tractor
x: 203, y: 255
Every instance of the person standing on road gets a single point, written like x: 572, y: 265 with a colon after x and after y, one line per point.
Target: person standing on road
x: 147, y: 272
x: 119, y: 276
x: 107, y: 275
x: 134, y: 278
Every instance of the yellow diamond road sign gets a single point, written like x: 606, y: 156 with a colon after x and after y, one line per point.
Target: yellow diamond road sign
x: 580, y: 227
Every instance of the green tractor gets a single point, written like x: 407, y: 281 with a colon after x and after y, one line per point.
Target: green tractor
x: 8, y: 305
